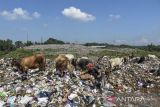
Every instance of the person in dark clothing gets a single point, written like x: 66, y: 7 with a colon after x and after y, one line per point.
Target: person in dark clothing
x: 94, y: 71
x: 81, y: 64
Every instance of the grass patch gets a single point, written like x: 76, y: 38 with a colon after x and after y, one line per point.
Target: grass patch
x: 52, y: 53
x: 110, y: 53
x: 19, y: 53
x: 145, y: 53
x: 137, y: 52
x: 2, y: 53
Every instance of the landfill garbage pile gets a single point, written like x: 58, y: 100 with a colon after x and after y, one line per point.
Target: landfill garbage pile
x: 47, y: 88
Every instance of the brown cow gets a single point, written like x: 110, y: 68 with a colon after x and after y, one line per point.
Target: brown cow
x: 31, y: 62
x: 63, y: 63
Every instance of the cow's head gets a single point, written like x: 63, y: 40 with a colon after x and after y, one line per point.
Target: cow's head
x: 16, y: 63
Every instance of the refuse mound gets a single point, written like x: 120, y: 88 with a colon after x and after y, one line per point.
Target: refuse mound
x: 133, y: 82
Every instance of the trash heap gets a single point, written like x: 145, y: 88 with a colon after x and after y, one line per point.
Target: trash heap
x: 48, y: 89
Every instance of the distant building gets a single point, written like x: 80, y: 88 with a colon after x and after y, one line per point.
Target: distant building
x: 98, y: 46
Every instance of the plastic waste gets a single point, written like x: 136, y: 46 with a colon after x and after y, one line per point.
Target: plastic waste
x: 51, y: 89
x: 25, y: 99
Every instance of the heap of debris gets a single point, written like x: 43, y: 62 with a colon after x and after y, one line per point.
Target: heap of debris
x: 137, y: 76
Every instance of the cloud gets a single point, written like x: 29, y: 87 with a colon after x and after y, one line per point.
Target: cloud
x: 18, y: 13
x: 114, y: 17
x: 138, y: 41
x: 77, y: 14
x: 45, y: 25
x: 119, y: 42
x: 36, y: 15
x: 142, y: 41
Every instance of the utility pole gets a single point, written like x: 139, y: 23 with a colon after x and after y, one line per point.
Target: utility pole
x: 41, y: 40
x: 27, y: 36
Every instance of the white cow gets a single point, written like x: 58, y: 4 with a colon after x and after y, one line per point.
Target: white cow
x: 84, y: 57
x: 69, y: 56
x: 116, y: 62
x: 152, y: 56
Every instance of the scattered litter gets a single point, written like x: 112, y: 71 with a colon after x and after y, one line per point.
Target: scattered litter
x: 49, y: 88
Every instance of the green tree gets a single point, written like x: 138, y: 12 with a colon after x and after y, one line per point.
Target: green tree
x: 6, y: 45
x: 19, y: 44
x: 29, y: 43
x: 53, y: 41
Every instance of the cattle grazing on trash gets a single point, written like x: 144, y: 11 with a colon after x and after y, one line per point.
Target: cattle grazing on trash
x: 150, y: 56
x: 138, y: 59
x: 69, y: 56
x: 80, y: 63
x: 62, y: 63
x: 30, y: 62
x: 116, y: 62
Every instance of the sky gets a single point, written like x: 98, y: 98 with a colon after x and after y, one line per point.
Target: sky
x: 135, y: 22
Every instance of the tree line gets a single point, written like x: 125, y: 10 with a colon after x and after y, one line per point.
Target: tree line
x: 9, y: 45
